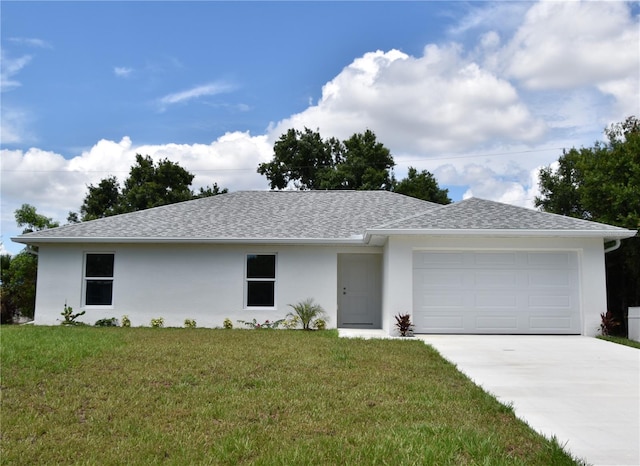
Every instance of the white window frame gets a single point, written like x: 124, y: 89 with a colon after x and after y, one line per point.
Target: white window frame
x: 86, y: 279
x: 273, y: 280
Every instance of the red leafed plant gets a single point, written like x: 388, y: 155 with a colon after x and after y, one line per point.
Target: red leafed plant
x: 609, y: 323
x: 403, y: 323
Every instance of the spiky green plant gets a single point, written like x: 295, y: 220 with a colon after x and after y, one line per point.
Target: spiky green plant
x: 307, y: 311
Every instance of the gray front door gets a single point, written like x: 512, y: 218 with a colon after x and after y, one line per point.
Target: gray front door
x: 359, y: 291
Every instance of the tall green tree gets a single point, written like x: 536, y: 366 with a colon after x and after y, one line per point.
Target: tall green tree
x: 18, y: 289
x: 303, y: 159
x: 367, y: 164
x: 18, y: 273
x: 423, y: 186
x: 102, y: 200
x: 27, y: 216
x: 306, y: 161
x: 149, y: 184
x: 602, y: 184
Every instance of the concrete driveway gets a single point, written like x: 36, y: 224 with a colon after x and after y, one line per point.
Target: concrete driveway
x: 583, y: 390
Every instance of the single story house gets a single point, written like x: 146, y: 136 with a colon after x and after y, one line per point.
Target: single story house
x: 475, y: 266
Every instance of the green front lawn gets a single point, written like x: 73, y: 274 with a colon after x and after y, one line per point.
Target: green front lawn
x: 621, y: 341
x: 197, y: 396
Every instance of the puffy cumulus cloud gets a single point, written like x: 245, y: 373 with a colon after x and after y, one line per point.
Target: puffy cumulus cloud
x: 515, y: 185
x: 562, y: 45
x: 55, y: 185
x: 429, y: 104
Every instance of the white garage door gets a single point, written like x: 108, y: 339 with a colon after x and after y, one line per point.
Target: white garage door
x: 514, y: 292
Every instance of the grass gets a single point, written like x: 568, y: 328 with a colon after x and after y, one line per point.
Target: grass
x: 88, y: 395
x: 621, y: 341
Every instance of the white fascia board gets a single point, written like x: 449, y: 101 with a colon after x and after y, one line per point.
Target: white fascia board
x: 353, y: 241
x: 607, y: 235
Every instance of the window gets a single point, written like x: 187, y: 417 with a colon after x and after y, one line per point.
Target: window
x: 98, y: 279
x: 261, y: 280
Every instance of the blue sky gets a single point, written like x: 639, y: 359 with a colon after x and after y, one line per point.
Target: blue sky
x: 481, y: 94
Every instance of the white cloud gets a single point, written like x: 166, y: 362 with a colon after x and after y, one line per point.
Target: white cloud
x: 122, y: 71
x: 56, y: 185
x: 13, y: 124
x: 213, y: 88
x: 430, y: 104
x: 10, y: 67
x: 562, y: 45
x: 31, y: 42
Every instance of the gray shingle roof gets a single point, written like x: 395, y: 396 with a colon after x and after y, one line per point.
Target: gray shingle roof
x: 480, y: 214
x: 269, y: 215
x: 311, y: 215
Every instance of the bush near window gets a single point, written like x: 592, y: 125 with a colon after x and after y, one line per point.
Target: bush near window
x: 70, y: 317
x: 157, y: 323
x: 110, y: 322
x: 267, y: 324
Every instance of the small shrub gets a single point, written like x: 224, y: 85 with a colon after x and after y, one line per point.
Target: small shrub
x: 69, y: 316
x: 291, y: 323
x: 609, y: 324
x: 320, y: 324
x: 189, y: 323
x: 403, y: 324
x: 157, y: 323
x: 307, y: 312
x: 227, y: 324
x: 109, y: 322
x: 267, y: 324
x: 125, y: 322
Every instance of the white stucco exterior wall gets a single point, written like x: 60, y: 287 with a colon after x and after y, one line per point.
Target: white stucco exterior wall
x: 175, y: 282
x: 398, y: 269
x: 206, y: 282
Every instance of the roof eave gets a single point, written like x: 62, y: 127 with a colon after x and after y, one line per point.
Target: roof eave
x: 353, y: 241
x: 606, y: 235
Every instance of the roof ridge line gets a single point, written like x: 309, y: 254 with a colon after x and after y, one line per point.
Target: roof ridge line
x: 414, y: 215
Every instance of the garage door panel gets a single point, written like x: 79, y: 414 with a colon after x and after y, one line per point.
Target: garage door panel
x: 495, y: 300
x: 428, y: 260
x: 561, y: 302
x: 436, y: 301
x: 553, y: 259
x: 494, y: 279
x: 496, y: 292
x: 495, y: 259
x: 453, y: 324
x: 443, y: 278
x: 492, y: 323
x: 546, y: 324
x: 550, y: 278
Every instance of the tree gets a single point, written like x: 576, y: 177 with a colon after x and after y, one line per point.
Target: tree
x: 212, y: 190
x: 423, y: 186
x: 149, y: 185
x: 302, y: 158
x: 602, y: 184
x: 366, y: 165
x: 18, y: 273
x: 26, y: 216
x: 305, y: 160
x: 103, y: 200
x: 19, y: 286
